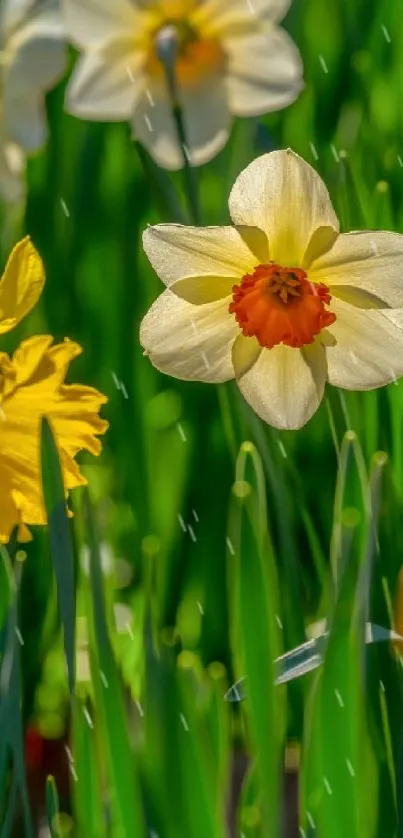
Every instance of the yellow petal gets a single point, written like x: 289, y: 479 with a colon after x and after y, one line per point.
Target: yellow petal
x: 364, y: 348
x: 203, y: 289
x: 176, y: 251
x: 245, y: 352
x: 283, y: 196
x: 369, y: 261
x: 190, y: 342
x: 72, y: 410
x: 21, y: 284
x: 285, y: 386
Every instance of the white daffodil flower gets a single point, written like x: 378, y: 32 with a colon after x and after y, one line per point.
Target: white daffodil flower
x: 281, y: 301
x: 32, y: 59
x: 229, y: 58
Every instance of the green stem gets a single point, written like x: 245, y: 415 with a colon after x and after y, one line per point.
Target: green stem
x: 189, y: 175
x: 167, y: 55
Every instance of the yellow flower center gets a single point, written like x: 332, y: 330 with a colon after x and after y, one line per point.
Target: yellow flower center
x: 279, y: 305
x: 194, y: 57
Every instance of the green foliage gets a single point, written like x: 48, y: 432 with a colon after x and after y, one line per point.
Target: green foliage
x: 219, y: 539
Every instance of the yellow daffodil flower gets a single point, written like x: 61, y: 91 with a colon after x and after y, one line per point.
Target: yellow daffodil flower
x: 230, y: 58
x: 32, y: 59
x: 32, y: 386
x: 281, y: 301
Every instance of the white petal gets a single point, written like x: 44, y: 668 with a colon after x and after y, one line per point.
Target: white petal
x: 25, y: 122
x: 12, y: 13
x: 395, y: 316
x: 285, y: 386
x: 245, y: 352
x: 264, y: 72
x: 190, y: 342
x: 371, y: 261
x: 92, y: 22
x: 282, y: 195
x: 220, y: 18
x: 176, y: 251
x: 36, y: 57
x: 206, y: 122
x: 12, y: 164
x: 364, y: 349
x: 274, y: 10
x: 106, y: 82
x: 154, y: 126
x: 206, y: 118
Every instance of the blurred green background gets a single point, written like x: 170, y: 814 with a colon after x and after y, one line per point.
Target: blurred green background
x: 207, y: 589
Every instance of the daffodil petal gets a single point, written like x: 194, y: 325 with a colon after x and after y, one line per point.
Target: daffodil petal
x: 25, y: 122
x: 370, y: 261
x: 37, y: 55
x: 28, y: 356
x: 206, y: 120
x: 190, y: 342
x: 37, y: 362
x: 321, y: 241
x: 206, y: 117
x: 153, y: 124
x: 245, y: 352
x: 285, y: 386
x: 92, y: 22
x: 364, y: 348
x: 283, y: 196
x: 21, y: 284
x: 177, y: 251
x: 106, y: 82
x: 203, y: 289
x: 8, y: 512
x: 32, y: 387
x: 12, y: 164
x: 12, y: 14
x: 264, y: 72
x: 218, y: 18
x: 395, y: 316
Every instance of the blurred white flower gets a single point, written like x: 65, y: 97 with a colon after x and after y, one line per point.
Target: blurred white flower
x: 32, y: 59
x: 12, y: 169
x: 231, y: 58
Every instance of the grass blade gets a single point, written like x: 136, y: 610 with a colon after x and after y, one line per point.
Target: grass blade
x: 255, y: 628
x: 60, y: 541
x: 339, y: 770
x: 87, y: 794
x: 109, y: 699
x: 52, y: 807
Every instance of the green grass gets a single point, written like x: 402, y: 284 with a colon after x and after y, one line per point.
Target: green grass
x: 225, y: 538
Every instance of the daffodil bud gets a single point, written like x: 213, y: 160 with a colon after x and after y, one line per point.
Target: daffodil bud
x: 167, y: 44
x: 167, y: 48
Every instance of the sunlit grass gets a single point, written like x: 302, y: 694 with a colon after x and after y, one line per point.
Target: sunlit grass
x: 224, y: 538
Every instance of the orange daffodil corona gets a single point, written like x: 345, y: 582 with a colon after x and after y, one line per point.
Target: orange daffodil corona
x: 280, y: 301
x: 230, y: 57
x: 32, y: 386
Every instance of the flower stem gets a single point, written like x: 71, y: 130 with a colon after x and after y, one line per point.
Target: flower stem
x: 167, y: 49
x: 189, y: 175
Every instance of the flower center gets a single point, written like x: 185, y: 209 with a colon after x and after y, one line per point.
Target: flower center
x: 193, y: 56
x: 279, y: 305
